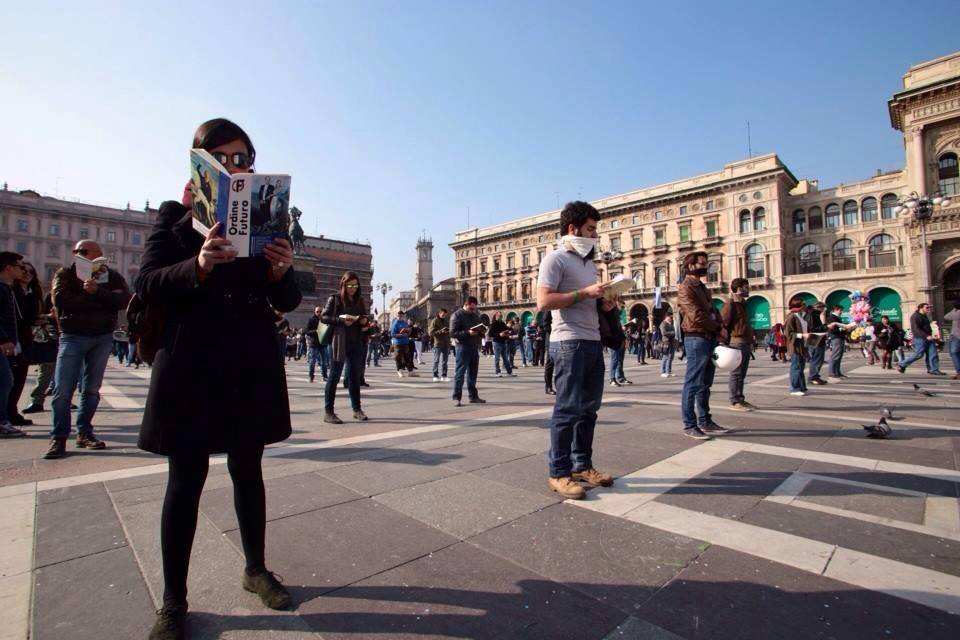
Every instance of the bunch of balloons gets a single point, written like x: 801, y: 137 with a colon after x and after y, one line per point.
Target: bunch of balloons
x: 860, y: 309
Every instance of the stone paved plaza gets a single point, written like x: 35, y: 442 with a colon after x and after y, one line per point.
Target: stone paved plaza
x: 432, y: 521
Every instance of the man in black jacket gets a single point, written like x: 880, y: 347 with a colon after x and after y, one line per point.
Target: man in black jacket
x: 465, y: 331
x: 87, y: 311
x: 923, y: 342
x: 11, y: 265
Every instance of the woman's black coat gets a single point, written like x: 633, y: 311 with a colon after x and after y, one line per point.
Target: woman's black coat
x: 218, y: 383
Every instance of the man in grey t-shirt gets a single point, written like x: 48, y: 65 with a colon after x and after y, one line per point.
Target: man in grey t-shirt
x: 567, y: 286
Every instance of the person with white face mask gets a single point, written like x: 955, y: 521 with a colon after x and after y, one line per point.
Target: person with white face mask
x: 568, y: 288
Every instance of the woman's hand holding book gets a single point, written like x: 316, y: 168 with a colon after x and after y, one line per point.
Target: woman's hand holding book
x: 215, y: 250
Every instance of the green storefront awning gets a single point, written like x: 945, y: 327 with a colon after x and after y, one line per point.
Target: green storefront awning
x: 842, y: 298
x: 718, y: 304
x: 884, y: 301
x: 758, y: 312
x: 526, y: 317
x: 807, y: 297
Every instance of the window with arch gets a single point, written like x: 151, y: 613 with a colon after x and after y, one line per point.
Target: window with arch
x: 799, y: 221
x: 849, y: 212
x: 809, y: 258
x: 759, y: 219
x: 660, y: 277
x: 755, y: 267
x: 713, y: 272
x: 832, y: 216
x: 949, y: 175
x: 887, y: 204
x: 868, y: 209
x: 745, y: 221
x: 815, y: 219
x: 843, y: 257
x: 883, y: 252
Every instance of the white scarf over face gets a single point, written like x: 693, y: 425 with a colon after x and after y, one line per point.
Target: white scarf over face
x: 580, y: 245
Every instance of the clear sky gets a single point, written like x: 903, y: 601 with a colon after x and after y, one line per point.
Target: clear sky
x: 394, y: 117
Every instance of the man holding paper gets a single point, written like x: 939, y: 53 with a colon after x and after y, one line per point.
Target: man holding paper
x: 466, y: 329
x: 87, y: 312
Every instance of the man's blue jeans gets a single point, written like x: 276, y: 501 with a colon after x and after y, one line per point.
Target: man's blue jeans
x: 373, y: 351
x: 816, y: 354
x: 666, y: 360
x: 467, y: 364
x: 836, y: 344
x: 578, y: 380
x: 797, y: 381
x: 697, y: 380
x: 528, y: 346
x: 313, y: 356
x: 440, y: 355
x: 616, y: 363
x: 6, y: 385
x: 519, y: 346
x: 923, y: 347
x: 501, y: 351
x: 78, y: 356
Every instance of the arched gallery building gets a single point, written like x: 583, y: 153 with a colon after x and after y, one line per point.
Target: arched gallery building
x: 756, y: 220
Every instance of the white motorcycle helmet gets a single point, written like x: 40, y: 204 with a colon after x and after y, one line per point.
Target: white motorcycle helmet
x: 726, y: 358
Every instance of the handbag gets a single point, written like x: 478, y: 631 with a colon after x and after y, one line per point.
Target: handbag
x: 45, y: 347
x: 611, y: 331
x: 324, y: 330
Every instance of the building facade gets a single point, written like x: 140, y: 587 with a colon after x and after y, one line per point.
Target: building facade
x: 319, y: 268
x: 44, y: 230
x: 756, y: 220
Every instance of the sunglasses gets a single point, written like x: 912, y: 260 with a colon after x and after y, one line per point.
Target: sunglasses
x: 238, y: 160
x: 353, y: 286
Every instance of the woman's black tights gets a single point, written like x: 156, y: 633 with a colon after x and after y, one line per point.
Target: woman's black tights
x: 178, y: 524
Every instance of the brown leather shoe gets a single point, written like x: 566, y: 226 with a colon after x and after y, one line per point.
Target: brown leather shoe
x: 566, y: 487
x: 594, y: 477
x: 58, y: 448
x: 90, y: 442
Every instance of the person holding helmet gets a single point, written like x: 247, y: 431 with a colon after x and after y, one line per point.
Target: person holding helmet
x: 795, y: 330
x: 738, y: 327
x: 700, y: 327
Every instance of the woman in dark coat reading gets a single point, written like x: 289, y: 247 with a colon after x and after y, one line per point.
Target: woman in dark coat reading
x: 218, y: 384
x: 347, y: 314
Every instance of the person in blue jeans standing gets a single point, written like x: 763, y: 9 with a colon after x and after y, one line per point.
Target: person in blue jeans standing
x: 795, y: 330
x: 467, y: 329
x: 315, y: 351
x: 500, y: 334
x: 568, y: 289
x: 700, y: 327
x: 440, y: 332
x: 668, y: 345
x: 954, y: 345
x: 923, y: 343
x: 87, y: 312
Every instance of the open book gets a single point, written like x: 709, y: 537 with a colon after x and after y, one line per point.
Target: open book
x: 253, y: 207
x: 482, y: 328
x: 620, y: 285
x: 347, y: 316
x: 96, y: 268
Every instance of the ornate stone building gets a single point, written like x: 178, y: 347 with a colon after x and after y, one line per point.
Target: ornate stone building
x: 756, y: 220
x: 45, y: 229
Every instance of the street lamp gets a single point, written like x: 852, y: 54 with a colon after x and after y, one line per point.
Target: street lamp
x: 384, y: 287
x: 922, y: 209
x: 609, y: 256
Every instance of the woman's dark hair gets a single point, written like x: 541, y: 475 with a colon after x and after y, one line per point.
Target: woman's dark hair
x: 577, y: 213
x: 796, y: 303
x: 344, y: 294
x: 35, y: 286
x: 219, y: 131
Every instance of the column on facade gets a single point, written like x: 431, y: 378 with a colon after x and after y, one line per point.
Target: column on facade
x: 916, y: 161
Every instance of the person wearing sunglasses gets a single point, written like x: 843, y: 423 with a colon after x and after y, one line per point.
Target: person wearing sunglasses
x: 347, y: 314
x: 28, y: 293
x: 217, y: 384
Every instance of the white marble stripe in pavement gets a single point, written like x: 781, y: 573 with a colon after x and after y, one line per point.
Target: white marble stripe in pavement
x: 273, y: 451
x: 118, y: 399
x: 16, y: 560
x: 925, y: 586
x: 792, y: 413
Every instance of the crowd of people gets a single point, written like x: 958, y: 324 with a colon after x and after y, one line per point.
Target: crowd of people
x: 207, y: 396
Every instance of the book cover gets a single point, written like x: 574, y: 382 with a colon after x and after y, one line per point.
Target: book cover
x: 253, y: 207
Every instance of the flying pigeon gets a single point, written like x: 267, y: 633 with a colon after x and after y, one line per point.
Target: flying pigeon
x: 929, y: 394
x: 881, y: 430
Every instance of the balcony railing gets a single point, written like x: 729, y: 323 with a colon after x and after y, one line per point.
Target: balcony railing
x: 847, y: 273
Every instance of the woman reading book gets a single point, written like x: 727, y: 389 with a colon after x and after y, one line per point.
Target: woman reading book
x: 347, y: 314
x: 218, y: 384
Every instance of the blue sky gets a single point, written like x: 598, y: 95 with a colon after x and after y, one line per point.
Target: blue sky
x: 396, y: 117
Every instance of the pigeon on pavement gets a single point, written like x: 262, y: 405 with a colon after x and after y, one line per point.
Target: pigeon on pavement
x: 929, y: 394
x: 880, y: 430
